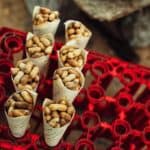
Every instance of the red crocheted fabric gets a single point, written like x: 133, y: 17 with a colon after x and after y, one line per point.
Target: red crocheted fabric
x: 113, y: 110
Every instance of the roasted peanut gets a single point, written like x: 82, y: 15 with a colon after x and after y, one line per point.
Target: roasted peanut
x: 70, y: 110
x: 70, y: 77
x: 23, y: 105
x: 55, y: 114
x: 53, y: 122
x: 34, y: 72
x: 48, y: 50
x: 17, y: 97
x: 25, y: 79
x: 45, y: 41
x: 48, y: 118
x: 27, y: 97
x: 59, y: 107
x: 65, y: 115
x: 18, y: 77
x: 47, y: 110
x: 21, y: 65
x: 19, y: 112
x: 29, y: 66
x: 29, y: 43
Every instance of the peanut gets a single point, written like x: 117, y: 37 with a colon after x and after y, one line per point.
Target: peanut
x: 53, y: 122
x: 29, y: 43
x: 45, y: 41
x: 70, y: 77
x: 25, y: 79
x: 48, y: 118
x: 70, y: 110
x: 23, y: 105
x: 27, y: 97
x: 29, y: 66
x: 59, y: 107
x: 18, y: 97
x: 55, y: 114
x: 18, y: 77
x: 47, y: 111
x: 34, y: 72
x: 48, y: 50
x: 19, y: 112
x: 65, y: 115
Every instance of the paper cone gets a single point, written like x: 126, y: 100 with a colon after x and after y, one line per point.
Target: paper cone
x: 16, y: 88
x: 43, y: 61
x: 19, y: 125
x: 59, y: 90
x: 47, y: 27
x: 53, y: 135
x: 79, y: 41
x: 84, y: 54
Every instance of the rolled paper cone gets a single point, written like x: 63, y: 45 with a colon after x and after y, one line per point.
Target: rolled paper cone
x: 79, y: 41
x: 16, y: 88
x: 46, y: 27
x: 60, y: 90
x: 53, y: 135
x: 19, y: 125
x: 84, y: 54
x: 43, y: 61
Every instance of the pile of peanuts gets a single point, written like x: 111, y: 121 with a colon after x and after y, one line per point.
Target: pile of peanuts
x: 38, y: 46
x: 45, y: 15
x: 26, y: 75
x: 75, y: 29
x: 70, y: 78
x: 71, y: 56
x: 19, y: 104
x: 58, y: 113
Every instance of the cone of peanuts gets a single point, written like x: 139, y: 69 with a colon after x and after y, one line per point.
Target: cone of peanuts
x: 72, y: 56
x: 76, y: 33
x: 38, y: 49
x: 25, y: 75
x: 57, y: 116
x: 45, y: 20
x: 18, y: 110
x: 58, y: 112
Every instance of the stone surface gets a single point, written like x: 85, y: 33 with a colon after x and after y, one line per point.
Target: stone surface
x: 106, y: 10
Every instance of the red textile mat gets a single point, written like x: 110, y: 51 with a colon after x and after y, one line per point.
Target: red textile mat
x: 113, y: 109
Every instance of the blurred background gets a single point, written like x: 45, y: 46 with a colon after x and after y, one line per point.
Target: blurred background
x: 120, y: 28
